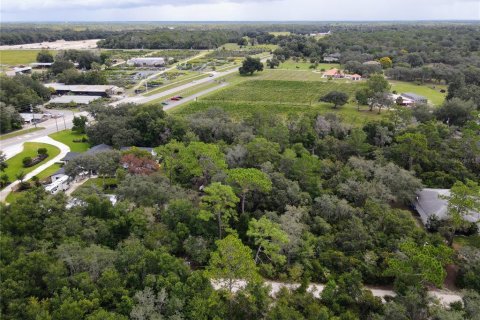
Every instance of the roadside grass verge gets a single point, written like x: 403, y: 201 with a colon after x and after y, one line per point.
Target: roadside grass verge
x: 172, y: 85
x: 67, y: 136
x: 187, y: 92
x: 19, y: 133
x: 15, y: 164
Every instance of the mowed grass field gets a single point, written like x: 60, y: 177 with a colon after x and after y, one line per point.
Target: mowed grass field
x: 15, y: 57
x: 281, y: 92
x: 431, y: 92
x: 292, y: 65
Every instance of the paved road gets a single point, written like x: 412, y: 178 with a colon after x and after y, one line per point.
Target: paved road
x: 445, y: 297
x: 13, y: 145
x: 63, y: 151
x: 145, y: 99
x: 173, y: 104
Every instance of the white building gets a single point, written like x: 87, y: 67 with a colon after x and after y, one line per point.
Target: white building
x: 147, y: 62
x: 62, y: 183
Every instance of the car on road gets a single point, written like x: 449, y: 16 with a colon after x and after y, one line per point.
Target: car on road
x: 164, y: 103
x: 174, y: 99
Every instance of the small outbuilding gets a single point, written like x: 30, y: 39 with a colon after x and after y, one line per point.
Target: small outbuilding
x: 415, y: 97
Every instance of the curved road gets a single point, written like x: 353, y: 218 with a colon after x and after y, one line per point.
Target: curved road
x: 63, y: 151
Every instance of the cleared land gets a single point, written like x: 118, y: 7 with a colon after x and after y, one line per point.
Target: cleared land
x: 431, y: 92
x: 15, y: 57
x: 67, y: 137
x: 15, y: 164
x: 56, y: 45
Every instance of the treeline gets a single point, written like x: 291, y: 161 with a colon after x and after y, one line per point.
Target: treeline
x: 13, y: 35
x: 170, y: 39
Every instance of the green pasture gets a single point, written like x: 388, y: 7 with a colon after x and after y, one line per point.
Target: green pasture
x: 16, y: 57
x: 430, y: 91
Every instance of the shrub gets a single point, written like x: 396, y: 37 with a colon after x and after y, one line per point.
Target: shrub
x: 42, y: 151
x: 27, y: 161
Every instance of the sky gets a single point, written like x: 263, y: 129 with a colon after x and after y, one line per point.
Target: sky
x: 237, y: 10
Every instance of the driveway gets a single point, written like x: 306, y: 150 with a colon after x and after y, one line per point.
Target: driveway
x: 63, y: 151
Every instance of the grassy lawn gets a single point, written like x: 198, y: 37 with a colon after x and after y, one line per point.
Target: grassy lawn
x: 280, y: 92
x: 96, y: 182
x: 67, y: 137
x: 15, y: 164
x: 430, y: 91
x: 49, y: 171
x: 14, y: 57
x: 19, y: 133
x: 472, y: 241
x: 292, y: 65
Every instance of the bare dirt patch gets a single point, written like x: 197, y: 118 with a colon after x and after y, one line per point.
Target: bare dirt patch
x: 55, y: 45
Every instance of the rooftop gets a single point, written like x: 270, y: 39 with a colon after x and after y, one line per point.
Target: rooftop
x: 429, y: 202
x: 413, y: 96
x: 80, y: 87
x: 76, y: 99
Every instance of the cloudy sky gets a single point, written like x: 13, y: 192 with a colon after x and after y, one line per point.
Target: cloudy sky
x: 237, y: 10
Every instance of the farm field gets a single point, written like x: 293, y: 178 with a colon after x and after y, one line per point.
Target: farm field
x: 280, y: 92
x: 432, y: 94
x: 67, y: 137
x: 15, y: 164
x: 181, y: 80
x: 15, y: 57
x: 240, y: 110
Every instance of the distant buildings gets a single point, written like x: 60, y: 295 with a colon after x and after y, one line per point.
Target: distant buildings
x: 18, y: 70
x: 83, y: 89
x: 334, y: 57
x: 338, y: 74
x: 68, y: 99
x: 147, y: 62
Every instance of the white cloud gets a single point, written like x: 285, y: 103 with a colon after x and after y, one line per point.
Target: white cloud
x: 222, y: 10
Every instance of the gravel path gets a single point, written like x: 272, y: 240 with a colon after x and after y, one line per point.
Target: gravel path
x: 445, y: 297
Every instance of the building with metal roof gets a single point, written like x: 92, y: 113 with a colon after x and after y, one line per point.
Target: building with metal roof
x: 415, y: 97
x: 431, y: 202
x: 67, y: 99
x: 84, y: 89
x: 147, y: 62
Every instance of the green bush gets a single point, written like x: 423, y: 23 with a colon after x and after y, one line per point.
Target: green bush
x: 42, y: 151
x: 27, y: 161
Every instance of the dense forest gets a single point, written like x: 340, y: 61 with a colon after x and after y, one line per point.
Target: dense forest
x: 12, y: 35
x: 305, y: 199
x: 170, y: 39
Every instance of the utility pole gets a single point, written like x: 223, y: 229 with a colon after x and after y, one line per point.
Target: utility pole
x: 64, y: 123
x: 56, y: 123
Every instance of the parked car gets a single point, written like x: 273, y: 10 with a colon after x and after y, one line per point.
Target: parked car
x: 174, y: 99
x: 164, y: 103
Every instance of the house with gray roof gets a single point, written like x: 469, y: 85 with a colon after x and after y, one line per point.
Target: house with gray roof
x: 415, y: 97
x: 431, y: 202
